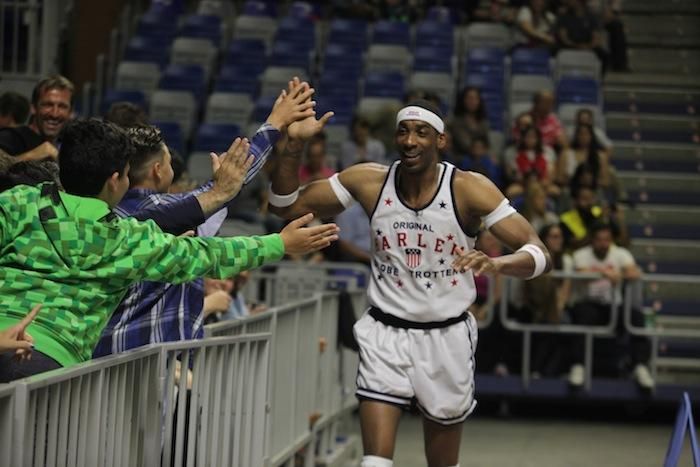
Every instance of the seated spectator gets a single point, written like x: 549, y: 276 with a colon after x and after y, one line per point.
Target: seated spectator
x: 52, y: 104
x: 584, y: 116
x: 224, y: 299
x: 545, y: 301
x: 594, y: 299
x: 315, y: 167
x: 576, y: 222
x: 361, y: 147
x: 14, y: 110
x: 479, y: 160
x: 585, y: 150
x: 578, y: 28
x: 497, y: 11
x: 553, y: 134
x: 181, y: 179
x: 78, y: 259
x: 611, y: 16
x: 535, y: 208
x: 469, y: 120
x: 535, y: 25
x: 534, y: 159
x: 126, y: 114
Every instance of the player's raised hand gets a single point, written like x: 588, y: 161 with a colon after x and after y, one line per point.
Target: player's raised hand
x: 233, y: 167
x: 477, y: 261
x: 292, y: 104
x: 299, y: 240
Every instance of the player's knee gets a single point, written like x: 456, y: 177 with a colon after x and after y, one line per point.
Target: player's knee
x: 376, y: 461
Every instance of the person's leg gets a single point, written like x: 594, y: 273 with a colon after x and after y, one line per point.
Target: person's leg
x: 379, y: 422
x: 441, y: 443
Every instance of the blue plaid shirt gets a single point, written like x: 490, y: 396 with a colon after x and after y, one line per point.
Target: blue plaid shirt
x: 158, y: 312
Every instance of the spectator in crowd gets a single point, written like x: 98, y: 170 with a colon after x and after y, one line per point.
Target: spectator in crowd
x: 547, y: 122
x: 159, y: 312
x: 14, y: 109
x: 52, y: 104
x: 479, y: 160
x: 535, y: 207
x: 584, y: 116
x: 594, y: 301
x: 536, y: 25
x: 545, y: 300
x: 398, y: 10
x: 576, y: 222
x: 181, y: 179
x: 609, y: 12
x: 126, y: 114
x: 497, y: 11
x: 469, y: 120
x: 354, y: 240
x: 29, y: 173
x: 578, y: 28
x: 5, y: 161
x: 585, y: 150
x: 15, y: 340
x: 535, y: 160
x: 361, y: 147
x: 228, y: 292
x: 77, y: 258
x: 315, y: 166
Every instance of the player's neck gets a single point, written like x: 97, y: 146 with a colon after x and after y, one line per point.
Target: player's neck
x: 418, y: 188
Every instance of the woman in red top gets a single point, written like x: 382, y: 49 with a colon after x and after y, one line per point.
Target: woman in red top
x: 533, y: 159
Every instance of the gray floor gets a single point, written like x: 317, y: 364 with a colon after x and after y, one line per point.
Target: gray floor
x: 488, y: 442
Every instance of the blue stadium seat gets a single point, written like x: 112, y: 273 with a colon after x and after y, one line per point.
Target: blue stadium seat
x: 153, y: 50
x: 157, y: 25
x: 215, y: 137
x: 530, y: 61
x: 337, y: 83
x: 288, y: 54
x: 492, y: 82
x: 259, y: 8
x: 431, y: 58
x: 237, y: 79
x: 345, y: 59
x: 432, y: 33
x: 304, y: 10
x: 248, y: 54
x: 172, y: 134
x: 171, y: 8
x: 184, y: 78
x: 441, y: 14
x: 301, y: 32
x: 120, y: 95
x: 578, y: 90
x: 262, y: 108
x: 391, y: 32
x: 485, y: 55
x: 202, y: 27
x: 348, y: 31
x: 384, y: 84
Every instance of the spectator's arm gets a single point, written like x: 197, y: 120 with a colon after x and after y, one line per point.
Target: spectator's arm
x: 175, y: 217
x: 526, y: 27
x: 42, y: 151
x: 563, y: 36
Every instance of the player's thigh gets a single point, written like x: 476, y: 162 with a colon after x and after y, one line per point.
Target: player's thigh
x: 379, y: 422
x: 441, y: 443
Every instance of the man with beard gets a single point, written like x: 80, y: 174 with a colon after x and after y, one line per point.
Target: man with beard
x: 52, y: 105
x: 576, y: 222
x: 594, y: 299
x: 418, y: 338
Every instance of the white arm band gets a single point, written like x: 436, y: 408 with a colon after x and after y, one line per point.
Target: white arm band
x: 537, y: 255
x: 282, y: 201
x: 501, y: 212
x: 341, y: 192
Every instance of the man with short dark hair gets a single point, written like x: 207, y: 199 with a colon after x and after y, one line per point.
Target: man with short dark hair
x: 126, y: 114
x: 69, y: 252
x: 52, y: 105
x: 14, y: 109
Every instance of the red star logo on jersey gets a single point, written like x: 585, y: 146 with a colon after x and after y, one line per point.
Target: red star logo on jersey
x: 453, y: 282
x: 399, y: 283
x: 450, y: 237
x: 388, y: 201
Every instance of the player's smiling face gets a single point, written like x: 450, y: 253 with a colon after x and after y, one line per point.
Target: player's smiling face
x: 418, y: 144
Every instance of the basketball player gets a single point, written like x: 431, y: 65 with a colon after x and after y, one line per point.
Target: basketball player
x: 417, y: 340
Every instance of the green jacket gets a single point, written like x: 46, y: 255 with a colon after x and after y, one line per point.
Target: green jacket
x: 71, y: 255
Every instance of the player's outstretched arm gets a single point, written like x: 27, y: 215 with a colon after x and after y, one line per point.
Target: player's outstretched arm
x: 480, y: 197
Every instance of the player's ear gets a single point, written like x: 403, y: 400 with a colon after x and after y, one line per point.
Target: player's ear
x: 441, y: 141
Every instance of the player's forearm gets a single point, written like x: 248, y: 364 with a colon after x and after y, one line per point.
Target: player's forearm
x: 285, y: 178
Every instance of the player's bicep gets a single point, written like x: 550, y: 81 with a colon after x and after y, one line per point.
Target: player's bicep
x: 514, y: 231
x: 319, y: 198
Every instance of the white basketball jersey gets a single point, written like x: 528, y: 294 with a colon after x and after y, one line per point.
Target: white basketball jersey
x: 412, y: 254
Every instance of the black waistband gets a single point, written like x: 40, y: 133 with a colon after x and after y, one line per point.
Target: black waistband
x: 396, y: 322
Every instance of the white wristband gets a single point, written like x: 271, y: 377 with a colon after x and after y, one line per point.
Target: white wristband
x: 282, y: 201
x: 538, y: 256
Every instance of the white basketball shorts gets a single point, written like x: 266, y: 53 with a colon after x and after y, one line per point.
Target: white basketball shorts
x: 433, y: 368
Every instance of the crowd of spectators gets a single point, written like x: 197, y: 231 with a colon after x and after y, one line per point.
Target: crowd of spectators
x: 561, y: 179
